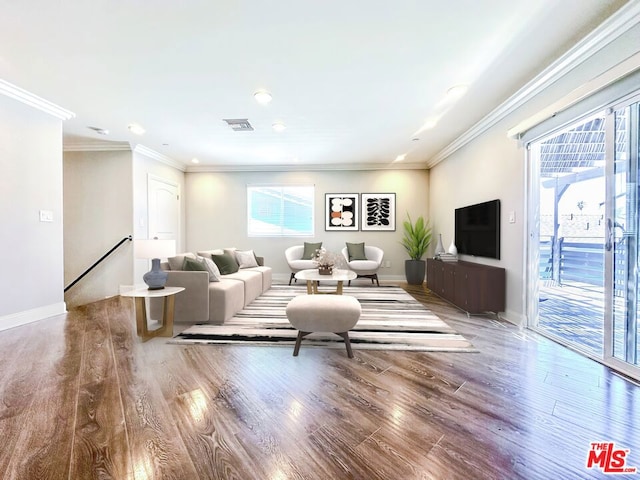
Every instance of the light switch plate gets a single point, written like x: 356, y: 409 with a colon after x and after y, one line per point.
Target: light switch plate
x: 46, y: 216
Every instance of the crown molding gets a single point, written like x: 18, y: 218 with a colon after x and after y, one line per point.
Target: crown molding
x: 147, y: 152
x: 616, y: 25
x: 303, y: 168
x: 97, y: 147
x: 34, y: 101
x: 616, y: 73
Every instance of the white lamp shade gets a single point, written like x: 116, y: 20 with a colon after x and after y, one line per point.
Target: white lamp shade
x: 155, y: 248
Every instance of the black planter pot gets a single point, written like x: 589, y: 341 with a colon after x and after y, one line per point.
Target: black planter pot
x: 414, y: 271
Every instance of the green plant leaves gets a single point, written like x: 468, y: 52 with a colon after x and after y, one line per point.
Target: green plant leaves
x: 417, y: 237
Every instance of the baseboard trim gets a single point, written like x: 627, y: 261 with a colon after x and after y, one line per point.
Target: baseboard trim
x: 513, y: 317
x: 33, y: 315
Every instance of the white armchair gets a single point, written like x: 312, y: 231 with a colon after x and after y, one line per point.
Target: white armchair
x: 294, y: 259
x: 366, y: 268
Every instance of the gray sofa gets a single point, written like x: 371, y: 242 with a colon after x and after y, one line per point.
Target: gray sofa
x: 212, y: 301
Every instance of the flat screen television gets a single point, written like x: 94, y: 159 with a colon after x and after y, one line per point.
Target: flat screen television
x: 478, y: 229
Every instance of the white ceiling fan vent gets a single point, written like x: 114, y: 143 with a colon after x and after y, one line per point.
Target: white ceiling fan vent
x: 239, y: 124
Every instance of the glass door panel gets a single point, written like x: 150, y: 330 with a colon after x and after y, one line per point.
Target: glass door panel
x: 572, y: 189
x: 623, y: 238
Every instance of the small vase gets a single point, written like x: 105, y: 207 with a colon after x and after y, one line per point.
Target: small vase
x: 439, y: 246
x: 453, y: 250
x: 156, y: 277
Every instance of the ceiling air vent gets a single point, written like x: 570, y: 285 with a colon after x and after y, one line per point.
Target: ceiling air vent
x: 239, y: 124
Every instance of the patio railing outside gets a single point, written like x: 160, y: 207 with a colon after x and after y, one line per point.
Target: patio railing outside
x: 579, y: 261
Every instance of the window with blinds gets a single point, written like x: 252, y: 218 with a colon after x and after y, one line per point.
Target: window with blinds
x: 280, y: 210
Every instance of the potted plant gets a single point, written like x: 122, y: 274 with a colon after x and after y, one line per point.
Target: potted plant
x: 417, y: 237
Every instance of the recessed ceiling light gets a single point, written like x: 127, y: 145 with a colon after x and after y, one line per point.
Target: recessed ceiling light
x: 137, y: 129
x: 427, y: 125
x: 457, y: 91
x: 195, y: 160
x: 279, y: 127
x: 262, y: 97
x: 400, y: 158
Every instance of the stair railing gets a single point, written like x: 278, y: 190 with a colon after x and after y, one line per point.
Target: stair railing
x: 82, y: 275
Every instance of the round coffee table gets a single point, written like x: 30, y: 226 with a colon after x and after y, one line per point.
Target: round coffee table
x: 313, y: 276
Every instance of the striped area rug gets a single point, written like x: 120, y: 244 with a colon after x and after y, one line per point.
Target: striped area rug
x: 391, y: 320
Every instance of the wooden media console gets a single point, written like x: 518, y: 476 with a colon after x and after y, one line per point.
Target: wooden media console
x: 472, y: 287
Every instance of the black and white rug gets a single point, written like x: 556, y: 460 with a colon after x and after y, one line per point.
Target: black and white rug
x: 391, y: 320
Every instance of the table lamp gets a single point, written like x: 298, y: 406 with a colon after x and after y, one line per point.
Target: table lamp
x: 155, y: 250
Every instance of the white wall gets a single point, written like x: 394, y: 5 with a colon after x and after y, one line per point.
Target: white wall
x: 216, y: 206
x: 31, y: 286
x: 98, y: 201
x: 493, y: 166
x: 105, y: 200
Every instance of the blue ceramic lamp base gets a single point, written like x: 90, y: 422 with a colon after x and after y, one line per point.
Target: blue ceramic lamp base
x: 155, y: 278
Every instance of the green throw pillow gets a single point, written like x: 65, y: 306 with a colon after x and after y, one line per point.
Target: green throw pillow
x: 356, y: 251
x: 193, y: 265
x: 226, y: 263
x: 310, y: 250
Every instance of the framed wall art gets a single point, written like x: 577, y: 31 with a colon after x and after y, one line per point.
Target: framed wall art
x: 379, y: 211
x: 341, y: 211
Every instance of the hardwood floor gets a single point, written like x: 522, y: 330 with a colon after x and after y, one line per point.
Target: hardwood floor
x: 83, y: 398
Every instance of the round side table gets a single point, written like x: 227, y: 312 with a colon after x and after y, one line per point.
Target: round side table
x: 168, y: 295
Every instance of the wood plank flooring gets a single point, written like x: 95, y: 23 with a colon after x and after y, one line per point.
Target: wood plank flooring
x: 82, y: 398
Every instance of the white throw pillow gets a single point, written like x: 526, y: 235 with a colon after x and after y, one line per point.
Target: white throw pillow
x: 246, y: 259
x: 212, y: 268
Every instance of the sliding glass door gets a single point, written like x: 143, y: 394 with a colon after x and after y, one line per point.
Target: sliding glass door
x: 571, y: 188
x: 583, y: 243
x: 623, y: 335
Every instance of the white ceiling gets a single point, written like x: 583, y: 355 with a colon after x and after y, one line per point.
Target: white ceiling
x: 352, y: 80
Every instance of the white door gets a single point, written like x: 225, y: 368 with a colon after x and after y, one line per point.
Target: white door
x: 622, y: 332
x: 164, y: 209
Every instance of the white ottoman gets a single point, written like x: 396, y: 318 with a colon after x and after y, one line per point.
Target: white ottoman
x: 323, y: 313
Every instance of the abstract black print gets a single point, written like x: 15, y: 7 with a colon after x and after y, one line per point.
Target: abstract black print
x: 379, y: 211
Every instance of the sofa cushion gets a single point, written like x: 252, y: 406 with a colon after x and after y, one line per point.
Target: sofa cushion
x: 356, y: 251
x: 310, y: 250
x: 226, y: 298
x: 208, y: 253
x: 211, y: 267
x: 226, y: 263
x: 175, y: 263
x: 193, y: 265
x: 252, y: 283
x: 266, y: 273
x: 246, y: 259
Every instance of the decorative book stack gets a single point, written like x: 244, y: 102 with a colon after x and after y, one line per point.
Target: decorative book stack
x: 447, y: 257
